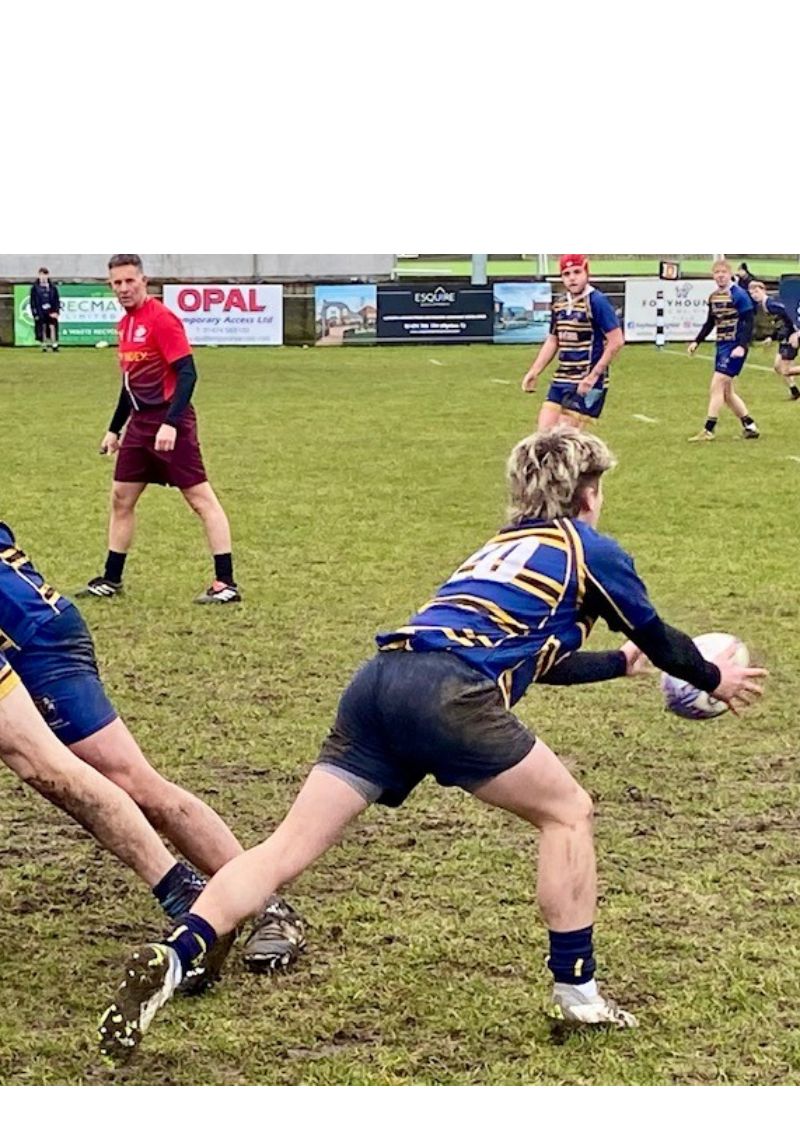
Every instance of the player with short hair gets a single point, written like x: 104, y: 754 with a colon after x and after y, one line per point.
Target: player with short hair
x: 160, y: 443
x: 48, y: 644
x: 436, y: 699
x: 730, y: 309
x: 585, y: 335
x: 786, y: 333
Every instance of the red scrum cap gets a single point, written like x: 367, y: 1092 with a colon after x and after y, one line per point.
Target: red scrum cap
x: 573, y: 260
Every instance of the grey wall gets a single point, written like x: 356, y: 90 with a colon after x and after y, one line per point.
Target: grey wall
x: 205, y: 266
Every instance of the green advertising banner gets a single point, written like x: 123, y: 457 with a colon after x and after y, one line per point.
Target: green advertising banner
x: 89, y: 314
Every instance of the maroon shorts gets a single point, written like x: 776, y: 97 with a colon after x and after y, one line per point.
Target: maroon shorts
x: 138, y: 461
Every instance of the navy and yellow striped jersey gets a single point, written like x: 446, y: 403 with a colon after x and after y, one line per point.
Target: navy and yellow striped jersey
x: 526, y: 600
x: 731, y: 309
x: 580, y: 325
x: 782, y: 325
x: 8, y: 678
x: 26, y: 600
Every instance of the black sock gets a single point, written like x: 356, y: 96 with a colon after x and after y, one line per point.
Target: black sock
x: 115, y: 564
x: 223, y: 568
x: 748, y: 422
x: 192, y: 938
x: 571, y: 957
x: 177, y: 891
x: 795, y: 392
x: 711, y: 424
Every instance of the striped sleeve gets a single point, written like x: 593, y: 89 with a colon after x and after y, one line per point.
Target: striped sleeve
x: 8, y: 680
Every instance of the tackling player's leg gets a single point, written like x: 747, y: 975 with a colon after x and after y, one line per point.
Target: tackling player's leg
x: 784, y: 368
x: 316, y: 821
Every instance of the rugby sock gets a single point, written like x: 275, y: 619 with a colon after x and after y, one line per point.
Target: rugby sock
x: 115, y: 564
x: 192, y: 938
x: 711, y: 424
x: 177, y: 891
x: 571, y: 957
x: 747, y: 422
x: 223, y: 569
x: 794, y: 391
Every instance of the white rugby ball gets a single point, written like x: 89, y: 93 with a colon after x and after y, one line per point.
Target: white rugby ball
x: 684, y: 699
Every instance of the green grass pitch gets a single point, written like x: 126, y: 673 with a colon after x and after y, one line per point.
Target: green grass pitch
x: 356, y: 480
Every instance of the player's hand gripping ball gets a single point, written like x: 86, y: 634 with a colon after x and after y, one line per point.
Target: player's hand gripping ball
x: 684, y: 699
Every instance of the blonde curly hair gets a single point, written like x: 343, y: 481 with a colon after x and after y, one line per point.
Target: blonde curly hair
x: 547, y: 473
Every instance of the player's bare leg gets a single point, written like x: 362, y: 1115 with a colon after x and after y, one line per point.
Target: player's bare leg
x: 31, y: 750
x: 317, y: 820
x: 739, y: 410
x: 716, y: 399
x: 122, y: 519
x: 788, y: 372
x: 575, y: 420
x: 121, y: 524
x: 549, y: 416
x: 541, y: 790
x: 203, y: 501
x: 188, y: 823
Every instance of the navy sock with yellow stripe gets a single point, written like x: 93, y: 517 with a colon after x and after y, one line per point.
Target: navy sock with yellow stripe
x: 571, y: 956
x: 192, y: 938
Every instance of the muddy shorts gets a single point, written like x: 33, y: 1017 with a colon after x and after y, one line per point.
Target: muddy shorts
x: 408, y: 714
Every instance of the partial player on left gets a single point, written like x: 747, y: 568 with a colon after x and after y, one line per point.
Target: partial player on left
x: 45, y: 640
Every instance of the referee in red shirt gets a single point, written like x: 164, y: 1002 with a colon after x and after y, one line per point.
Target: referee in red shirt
x: 160, y: 443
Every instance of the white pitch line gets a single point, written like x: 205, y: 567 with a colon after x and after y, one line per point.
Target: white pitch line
x: 642, y: 417
x: 795, y: 458
x: 498, y: 381
x: 707, y: 358
x: 434, y: 362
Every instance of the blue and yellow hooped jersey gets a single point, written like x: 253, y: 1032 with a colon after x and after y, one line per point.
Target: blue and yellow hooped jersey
x: 26, y: 600
x: 580, y: 325
x: 526, y: 600
x: 727, y: 307
x: 8, y: 678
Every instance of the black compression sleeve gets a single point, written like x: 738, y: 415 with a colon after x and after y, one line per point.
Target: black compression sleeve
x: 705, y: 329
x: 121, y: 413
x: 187, y: 379
x: 673, y: 651
x: 587, y: 668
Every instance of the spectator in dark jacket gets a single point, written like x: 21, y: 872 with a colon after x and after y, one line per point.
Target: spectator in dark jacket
x: 45, y: 307
x: 744, y: 277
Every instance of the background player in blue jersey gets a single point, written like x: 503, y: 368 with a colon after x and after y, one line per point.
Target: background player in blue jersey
x: 785, y: 333
x: 436, y: 699
x: 585, y: 335
x: 730, y: 310
x: 46, y: 641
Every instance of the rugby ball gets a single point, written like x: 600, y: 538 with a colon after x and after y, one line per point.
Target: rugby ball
x: 685, y: 700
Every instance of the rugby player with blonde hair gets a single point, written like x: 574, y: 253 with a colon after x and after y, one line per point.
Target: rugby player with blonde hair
x: 730, y: 309
x: 436, y: 699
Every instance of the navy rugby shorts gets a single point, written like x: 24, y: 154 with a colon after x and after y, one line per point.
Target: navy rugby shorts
x: 724, y: 363
x: 564, y: 394
x: 408, y: 714
x: 59, y: 669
